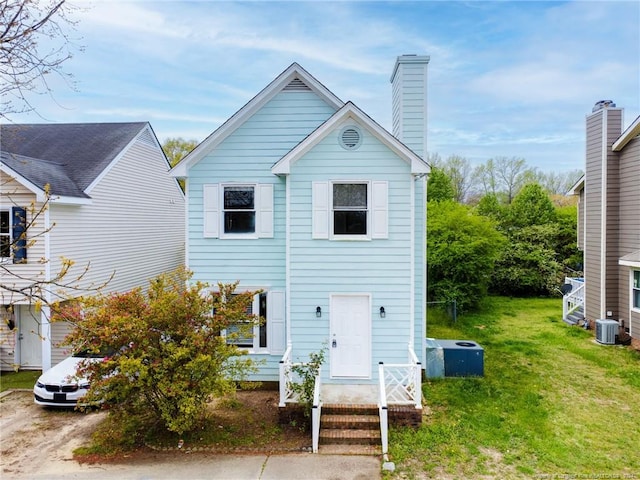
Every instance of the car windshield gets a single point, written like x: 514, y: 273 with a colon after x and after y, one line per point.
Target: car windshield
x: 91, y: 354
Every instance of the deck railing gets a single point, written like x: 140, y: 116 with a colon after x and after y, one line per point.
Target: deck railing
x: 403, y: 385
x: 575, y: 298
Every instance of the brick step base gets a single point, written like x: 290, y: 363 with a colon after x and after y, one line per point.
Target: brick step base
x: 349, y: 409
x: 343, y: 422
x: 349, y: 437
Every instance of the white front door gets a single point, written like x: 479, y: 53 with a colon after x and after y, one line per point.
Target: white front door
x: 350, y: 336
x: 30, y: 338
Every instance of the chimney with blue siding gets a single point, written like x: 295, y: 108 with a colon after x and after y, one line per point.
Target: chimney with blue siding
x: 409, y: 98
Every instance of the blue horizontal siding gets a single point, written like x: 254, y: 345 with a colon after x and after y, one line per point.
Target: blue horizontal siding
x: 380, y: 268
x: 247, y: 155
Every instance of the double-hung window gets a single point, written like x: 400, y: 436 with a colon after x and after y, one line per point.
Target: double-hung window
x: 5, y: 234
x: 255, y: 338
x: 267, y: 336
x: 13, y: 234
x: 239, y: 209
x: 635, y: 290
x: 350, y: 208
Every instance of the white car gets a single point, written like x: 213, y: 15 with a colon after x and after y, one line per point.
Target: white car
x: 60, y: 386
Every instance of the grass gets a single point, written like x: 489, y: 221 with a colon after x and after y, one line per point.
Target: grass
x: 552, y: 402
x: 22, y: 379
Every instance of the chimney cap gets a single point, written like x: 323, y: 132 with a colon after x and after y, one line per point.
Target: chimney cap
x: 601, y: 104
x: 409, y: 58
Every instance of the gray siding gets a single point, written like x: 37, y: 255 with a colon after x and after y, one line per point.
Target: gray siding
x: 593, y: 215
x: 629, y: 231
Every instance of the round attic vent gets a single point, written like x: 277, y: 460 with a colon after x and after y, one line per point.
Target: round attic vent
x: 350, y: 137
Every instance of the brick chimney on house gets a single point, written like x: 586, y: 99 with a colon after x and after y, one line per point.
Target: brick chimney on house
x: 409, y: 101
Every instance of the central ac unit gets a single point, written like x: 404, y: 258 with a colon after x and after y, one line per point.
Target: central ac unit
x: 606, y: 331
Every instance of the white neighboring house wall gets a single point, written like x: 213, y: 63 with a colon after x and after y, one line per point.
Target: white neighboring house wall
x: 130, y: 231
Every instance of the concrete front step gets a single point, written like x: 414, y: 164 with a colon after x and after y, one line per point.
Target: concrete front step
x: 349, y: 437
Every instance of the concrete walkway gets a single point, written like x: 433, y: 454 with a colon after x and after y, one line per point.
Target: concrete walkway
x: 299, y: 466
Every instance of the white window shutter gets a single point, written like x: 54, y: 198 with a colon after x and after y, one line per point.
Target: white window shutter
x: 380, y: 209
x: 276, y: 324
x: 211, y: 210
x: 265, y: 210
x: 320, y: 207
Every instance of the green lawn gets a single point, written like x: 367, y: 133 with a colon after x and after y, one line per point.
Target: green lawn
x: 552, y: 402
x: 22, y: 379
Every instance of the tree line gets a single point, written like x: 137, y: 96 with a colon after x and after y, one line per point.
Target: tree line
x: 499, y: 228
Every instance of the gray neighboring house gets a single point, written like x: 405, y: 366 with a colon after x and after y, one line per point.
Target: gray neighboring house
x: 113, y: 207
x: 609, y: 221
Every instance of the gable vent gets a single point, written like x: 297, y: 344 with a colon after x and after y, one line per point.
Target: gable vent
x: 350, y: 138
x: 146, y: 137
x: 297, y: 85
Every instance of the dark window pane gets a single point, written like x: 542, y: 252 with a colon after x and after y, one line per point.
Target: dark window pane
x: 636, y: 299
x: 4, y: 222
x: 263, y: 326
x: 5, y: 246
x: 350, y: 222
x: 238, y: 198
x: 239, y: 222
x: 352, y: 195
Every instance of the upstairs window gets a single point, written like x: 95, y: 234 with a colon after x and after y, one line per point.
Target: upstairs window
x: 350, y: 208
x: 13, y: 234
x: 239, y: 210
x: 5, y: 234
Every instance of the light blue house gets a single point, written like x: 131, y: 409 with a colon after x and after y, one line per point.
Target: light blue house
x: 307, y: 198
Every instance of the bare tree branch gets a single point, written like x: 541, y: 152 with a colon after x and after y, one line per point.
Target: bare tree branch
x: 34, y: 44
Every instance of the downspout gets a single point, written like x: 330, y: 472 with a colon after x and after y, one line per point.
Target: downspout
x: 412, y: 289
x: 288, y: 260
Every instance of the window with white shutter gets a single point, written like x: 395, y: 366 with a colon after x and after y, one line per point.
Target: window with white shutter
x: 238, y: 211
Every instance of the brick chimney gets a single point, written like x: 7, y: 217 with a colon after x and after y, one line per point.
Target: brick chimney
x: 409, y: 101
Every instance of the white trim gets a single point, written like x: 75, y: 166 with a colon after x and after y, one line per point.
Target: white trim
x: 603, y: 219
x: 113, y: 162
x: 577, y: 187
x: 423, y: 201
x: 629, y: 134
x: 288, y: 263
x: 251, y: 107
x: 186, y: 222
x: 37, y: 191
x: 631, y: 289
x: 350, y: 113
x: 412, y: 270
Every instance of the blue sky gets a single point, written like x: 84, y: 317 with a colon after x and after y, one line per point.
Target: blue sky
x: 510, y: 78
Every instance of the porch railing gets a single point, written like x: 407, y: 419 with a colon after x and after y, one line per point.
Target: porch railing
x: 383, y: 410
x: 575, y: 298
x: 403, y: 382
x: 286, y: 379
x: 316, y: 412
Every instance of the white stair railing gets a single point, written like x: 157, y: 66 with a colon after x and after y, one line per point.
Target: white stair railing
x: 285, y: 378
x: 383, y: 410
x: 575, y: 298
x: 316, y: 411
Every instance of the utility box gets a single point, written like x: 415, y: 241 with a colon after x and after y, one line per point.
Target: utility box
x: 454, y: 358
